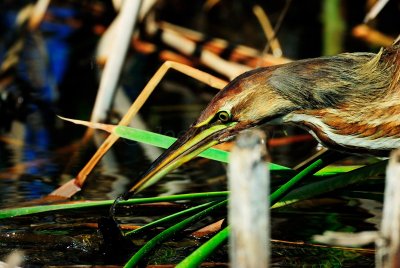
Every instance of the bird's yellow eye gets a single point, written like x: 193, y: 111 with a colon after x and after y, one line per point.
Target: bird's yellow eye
x: 224, y: 116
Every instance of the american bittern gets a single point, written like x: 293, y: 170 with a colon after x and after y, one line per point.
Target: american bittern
x: 349, y: 102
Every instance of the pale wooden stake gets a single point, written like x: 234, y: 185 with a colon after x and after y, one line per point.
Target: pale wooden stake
x: 388, y: 246
x: 248, y: 212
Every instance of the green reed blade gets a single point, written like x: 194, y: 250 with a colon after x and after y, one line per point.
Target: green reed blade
x: 163, y: 141
x: 14, y: 212
x: 328, y: 185
x: 324, y: 160
x: 170, y: 232
x: 200, y: 254
x: 169, y: 218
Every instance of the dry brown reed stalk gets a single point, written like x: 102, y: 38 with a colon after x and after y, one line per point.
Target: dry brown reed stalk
x: 122, y: 29
x: 268, y: 31
x: 74, y: 185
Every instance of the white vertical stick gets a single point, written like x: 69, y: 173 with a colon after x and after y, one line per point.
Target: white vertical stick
x: 378, y: 6
x: 112, y: 69
x: 388, y: 247
x: 248, y: 212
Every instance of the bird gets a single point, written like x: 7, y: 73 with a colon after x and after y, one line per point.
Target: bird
x: 349, y: 102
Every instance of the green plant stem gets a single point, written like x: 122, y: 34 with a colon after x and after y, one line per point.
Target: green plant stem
x: 163, y: 141
x: 13, y: 212
x: 197, y: 257
x: 335, y: 170
x: 169, y: 218
x: 328, y: 185
x: 318, y: 164
x: 334, y: 27
x: 171, y: 231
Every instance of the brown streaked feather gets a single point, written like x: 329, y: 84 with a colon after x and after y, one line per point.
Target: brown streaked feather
x: 332, y: 81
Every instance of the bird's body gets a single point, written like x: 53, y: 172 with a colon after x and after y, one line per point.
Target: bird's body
x: 349, y: 102
x: 354, y: 106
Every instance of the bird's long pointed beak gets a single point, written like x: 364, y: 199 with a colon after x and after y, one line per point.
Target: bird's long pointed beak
x: 192, y: 143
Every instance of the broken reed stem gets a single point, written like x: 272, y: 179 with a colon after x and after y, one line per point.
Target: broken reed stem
x: 372, y: 36
x: 268, y: 31
x: 135, y: 107
x: 108, y: 84
x: 388, y: 246
x: 187, y: 47
x: 217, y: 45
x: 248, y: 210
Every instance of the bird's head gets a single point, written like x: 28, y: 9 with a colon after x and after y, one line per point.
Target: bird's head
x: 245, y: 102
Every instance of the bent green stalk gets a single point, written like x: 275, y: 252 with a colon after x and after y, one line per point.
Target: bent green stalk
x: 199, y: 255
x: 170, y: 232
x: 325, y: 159
x: 169, y: 218
x: 328, y: 185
